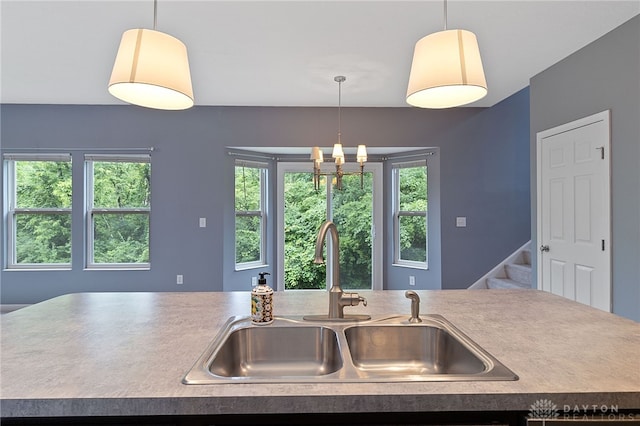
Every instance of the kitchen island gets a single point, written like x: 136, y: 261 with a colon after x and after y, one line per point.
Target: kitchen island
x: 121, y: 357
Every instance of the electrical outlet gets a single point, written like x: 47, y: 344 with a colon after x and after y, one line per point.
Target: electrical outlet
x: 461, y: 222
x: 412, y: 280
x: 203, y: 222
x: 179, y: 279
x: 254, y: 281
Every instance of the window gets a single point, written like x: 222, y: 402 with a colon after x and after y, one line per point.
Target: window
x: 251, y: 214
x: 357, y: 213
x: 410, y: 213
x: 118, y: 199
x: 38, y: 203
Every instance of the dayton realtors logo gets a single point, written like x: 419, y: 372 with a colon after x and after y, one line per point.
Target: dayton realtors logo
x: 543, y: 409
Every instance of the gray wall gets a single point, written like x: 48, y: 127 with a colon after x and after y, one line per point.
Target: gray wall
x: 397, y: 277
x: 485, y: 177
x: 603, y: 75
x: 192, y: 177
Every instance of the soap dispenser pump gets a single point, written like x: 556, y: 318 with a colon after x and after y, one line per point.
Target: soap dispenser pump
x: 262, y: 302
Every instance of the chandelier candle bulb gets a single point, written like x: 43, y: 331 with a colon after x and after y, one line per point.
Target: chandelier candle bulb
x: 361, y: 155
x: 316, y: 154
x: 337, y: 151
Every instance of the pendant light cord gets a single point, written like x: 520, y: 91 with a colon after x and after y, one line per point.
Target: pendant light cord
x: 445, y: 15
x: 339, y: 110
x: 155, y: 14
x: 339, y: 79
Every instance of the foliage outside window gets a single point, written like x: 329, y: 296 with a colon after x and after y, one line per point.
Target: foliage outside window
x: 250, y: 213
x: 305, y: 209
x: 410, y: 213
x: 118, y: 196
x: 38, y: 227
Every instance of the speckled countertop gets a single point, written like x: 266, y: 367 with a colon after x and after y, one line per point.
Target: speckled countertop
x: 109, y: 354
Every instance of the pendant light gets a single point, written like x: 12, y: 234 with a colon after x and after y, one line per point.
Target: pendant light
x: 446, y: 70
x: 152, y: 70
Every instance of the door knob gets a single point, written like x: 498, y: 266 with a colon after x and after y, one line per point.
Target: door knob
x: 544, y: 248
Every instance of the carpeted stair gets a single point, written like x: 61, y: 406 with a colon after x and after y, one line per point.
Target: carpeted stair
x: 517, y: 275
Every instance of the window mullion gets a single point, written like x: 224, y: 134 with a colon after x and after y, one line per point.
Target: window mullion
x: 120, y: 211
x: 248, y: 213
x: 42, y: 211
x: 412, y: 213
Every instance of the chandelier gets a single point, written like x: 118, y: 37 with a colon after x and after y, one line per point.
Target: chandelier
x: 337, y: 153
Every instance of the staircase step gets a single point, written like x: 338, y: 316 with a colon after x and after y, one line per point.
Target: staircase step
x: 505, y: 283
x: 519, y: 273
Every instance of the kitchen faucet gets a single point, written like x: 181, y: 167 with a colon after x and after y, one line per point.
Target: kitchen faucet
x: 337, y: 298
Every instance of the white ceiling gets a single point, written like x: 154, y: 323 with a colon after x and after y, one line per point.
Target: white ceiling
x: 286, y: 53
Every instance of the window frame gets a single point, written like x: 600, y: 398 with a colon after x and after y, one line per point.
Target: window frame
x: 90, y: 211
x: 262, y: 214
x: 397, y: 214
x: 12, y: 212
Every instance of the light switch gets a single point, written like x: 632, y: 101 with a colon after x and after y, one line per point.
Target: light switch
x: 461, y: 222
x: 203, y: 222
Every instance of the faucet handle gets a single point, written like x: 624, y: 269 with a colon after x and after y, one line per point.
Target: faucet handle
x: 352, y: 299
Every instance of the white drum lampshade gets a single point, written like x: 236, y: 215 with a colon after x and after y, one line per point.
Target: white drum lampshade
x: 152, y: 70
x: 446, y: 71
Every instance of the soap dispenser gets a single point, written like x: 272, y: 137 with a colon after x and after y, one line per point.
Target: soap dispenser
x: 262, y: 302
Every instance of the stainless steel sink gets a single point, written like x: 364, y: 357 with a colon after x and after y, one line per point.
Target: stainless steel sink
x: 278, y: 352
x: 388, y: 349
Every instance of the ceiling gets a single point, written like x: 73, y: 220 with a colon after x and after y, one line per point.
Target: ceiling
x: 286, y: 53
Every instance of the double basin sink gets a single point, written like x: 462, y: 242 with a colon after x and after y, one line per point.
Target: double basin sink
x: 388, y: 349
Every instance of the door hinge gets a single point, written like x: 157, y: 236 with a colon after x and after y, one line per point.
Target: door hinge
x: 601, y: 148
x: 602, y: 245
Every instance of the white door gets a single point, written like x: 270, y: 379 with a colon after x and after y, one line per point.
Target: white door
x: 574, y: 206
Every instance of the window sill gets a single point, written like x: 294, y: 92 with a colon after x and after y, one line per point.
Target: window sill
x: 248, y: 267
x: 118, y: 268
x: 423, y: 267
x: 36, y: 269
